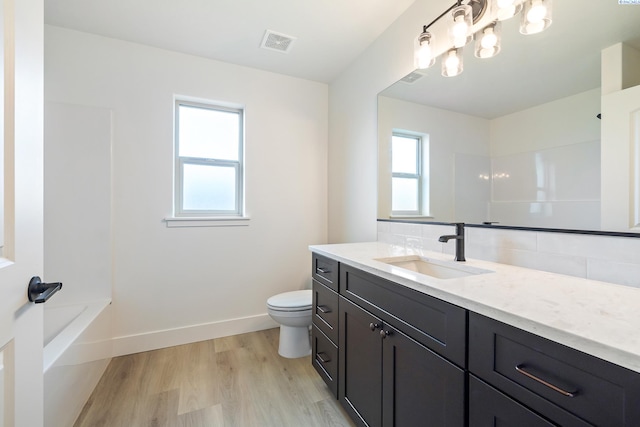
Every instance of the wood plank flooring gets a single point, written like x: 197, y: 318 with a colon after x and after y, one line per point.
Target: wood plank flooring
x: 237, y: 381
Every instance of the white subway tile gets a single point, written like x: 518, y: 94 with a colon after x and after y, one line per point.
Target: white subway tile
x: 513, y: 239
x: 620, y: 249
x: 614, y: 272
x: 384, y: 227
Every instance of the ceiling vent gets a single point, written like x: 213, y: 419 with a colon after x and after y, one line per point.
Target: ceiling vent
x: 412, y: 77
x: 277, y: 41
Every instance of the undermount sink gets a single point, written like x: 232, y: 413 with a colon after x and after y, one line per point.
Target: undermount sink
x: 433, y: 268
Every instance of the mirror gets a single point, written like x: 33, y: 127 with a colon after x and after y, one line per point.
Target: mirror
x: 514, y: 139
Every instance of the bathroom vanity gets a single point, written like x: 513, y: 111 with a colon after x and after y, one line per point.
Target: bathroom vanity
x: 486, y: 344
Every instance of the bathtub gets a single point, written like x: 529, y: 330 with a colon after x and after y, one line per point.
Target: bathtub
x: 77, y: 350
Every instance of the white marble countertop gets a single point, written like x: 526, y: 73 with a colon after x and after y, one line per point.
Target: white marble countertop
x: 598, y: 318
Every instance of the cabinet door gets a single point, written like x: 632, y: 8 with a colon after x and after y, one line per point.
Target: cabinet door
x: 360, y: 364
x: 420, y: 388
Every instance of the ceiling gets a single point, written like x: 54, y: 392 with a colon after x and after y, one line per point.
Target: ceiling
x: 530, y: 70
x: 330, y: 34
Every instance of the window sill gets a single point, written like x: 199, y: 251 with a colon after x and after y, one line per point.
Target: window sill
x: 410, y: 217
x: 232, y: 221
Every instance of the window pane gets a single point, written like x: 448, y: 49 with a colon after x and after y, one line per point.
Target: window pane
x: 404, y: 194
x: 210, y: 188
x: 206, y: 133
x: 404, y: 155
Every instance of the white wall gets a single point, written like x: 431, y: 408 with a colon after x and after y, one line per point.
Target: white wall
x: 174, y: 285
x: 77, y: 202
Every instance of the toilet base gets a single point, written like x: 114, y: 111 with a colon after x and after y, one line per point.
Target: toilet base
x: 294, y: 342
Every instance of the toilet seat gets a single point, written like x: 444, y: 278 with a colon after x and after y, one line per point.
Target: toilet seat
x: 291, y: 301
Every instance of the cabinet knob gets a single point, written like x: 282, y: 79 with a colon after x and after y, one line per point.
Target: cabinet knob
x: 374, y: 326
x: 384, y: 334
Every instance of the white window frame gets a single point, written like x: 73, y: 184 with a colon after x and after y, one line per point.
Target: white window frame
x: 417, y: 176
x: 181, y: 161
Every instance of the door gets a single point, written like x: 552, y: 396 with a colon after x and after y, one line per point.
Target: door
x: 360, y: 371
x: 22, y: 205
x: 419, y: 387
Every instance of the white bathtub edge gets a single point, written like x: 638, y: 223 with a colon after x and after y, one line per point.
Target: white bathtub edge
x: 137, y: 343
x: 58, y: 345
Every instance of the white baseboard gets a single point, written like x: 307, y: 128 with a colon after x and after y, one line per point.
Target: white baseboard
x: 171, y: 337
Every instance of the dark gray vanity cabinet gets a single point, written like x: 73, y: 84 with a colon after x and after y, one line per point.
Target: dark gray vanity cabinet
x: 394, y: 356
x: 564, y: 386
x: 324, y: 330
x: 388, y: 374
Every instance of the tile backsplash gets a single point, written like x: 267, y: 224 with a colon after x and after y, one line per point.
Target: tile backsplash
x: 605, y: 258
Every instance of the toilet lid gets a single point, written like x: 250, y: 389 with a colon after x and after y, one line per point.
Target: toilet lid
x: 295, y: 300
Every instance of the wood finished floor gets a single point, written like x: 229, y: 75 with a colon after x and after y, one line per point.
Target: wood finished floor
x: 237, y: 381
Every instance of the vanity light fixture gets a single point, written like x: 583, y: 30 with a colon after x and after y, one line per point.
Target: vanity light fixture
x: 536, y: 17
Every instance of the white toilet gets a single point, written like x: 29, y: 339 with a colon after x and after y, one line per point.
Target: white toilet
x: 292, y: 310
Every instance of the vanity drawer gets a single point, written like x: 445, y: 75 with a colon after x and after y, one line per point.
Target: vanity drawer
x: 325, y: 271
x: 325, y: 359
x: 436, y: 324
x: 325, y: 310
x: 535, y: 371
x: 489, y: 408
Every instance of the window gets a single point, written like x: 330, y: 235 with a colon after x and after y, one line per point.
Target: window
x: 406, y: 175
x: 209, y: 169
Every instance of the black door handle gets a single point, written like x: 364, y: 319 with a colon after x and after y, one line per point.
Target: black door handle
x: 39, y: 292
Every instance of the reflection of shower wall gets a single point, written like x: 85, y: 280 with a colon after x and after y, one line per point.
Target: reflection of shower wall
x: 546, y: 164
x: 556, y: 187
x: 472, y: 188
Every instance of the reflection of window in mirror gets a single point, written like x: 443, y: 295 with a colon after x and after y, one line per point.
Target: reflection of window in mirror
x: 408, y: 172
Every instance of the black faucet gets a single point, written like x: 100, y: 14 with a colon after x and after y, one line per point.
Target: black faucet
x: 459, y: 236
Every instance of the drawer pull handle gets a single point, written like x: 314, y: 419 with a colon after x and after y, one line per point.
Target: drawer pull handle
x: 374, y: 326
x: 322, y: 270
x: 520, y: 369
x: 324, y: 309
x: 323, y: 357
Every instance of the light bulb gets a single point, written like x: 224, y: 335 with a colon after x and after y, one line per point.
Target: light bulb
x: 422, y: 57
x: 536, y: 16
x: 460, y: 28
x: 452, y: 63
x: 537, y: 12
x: 489, y: 39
